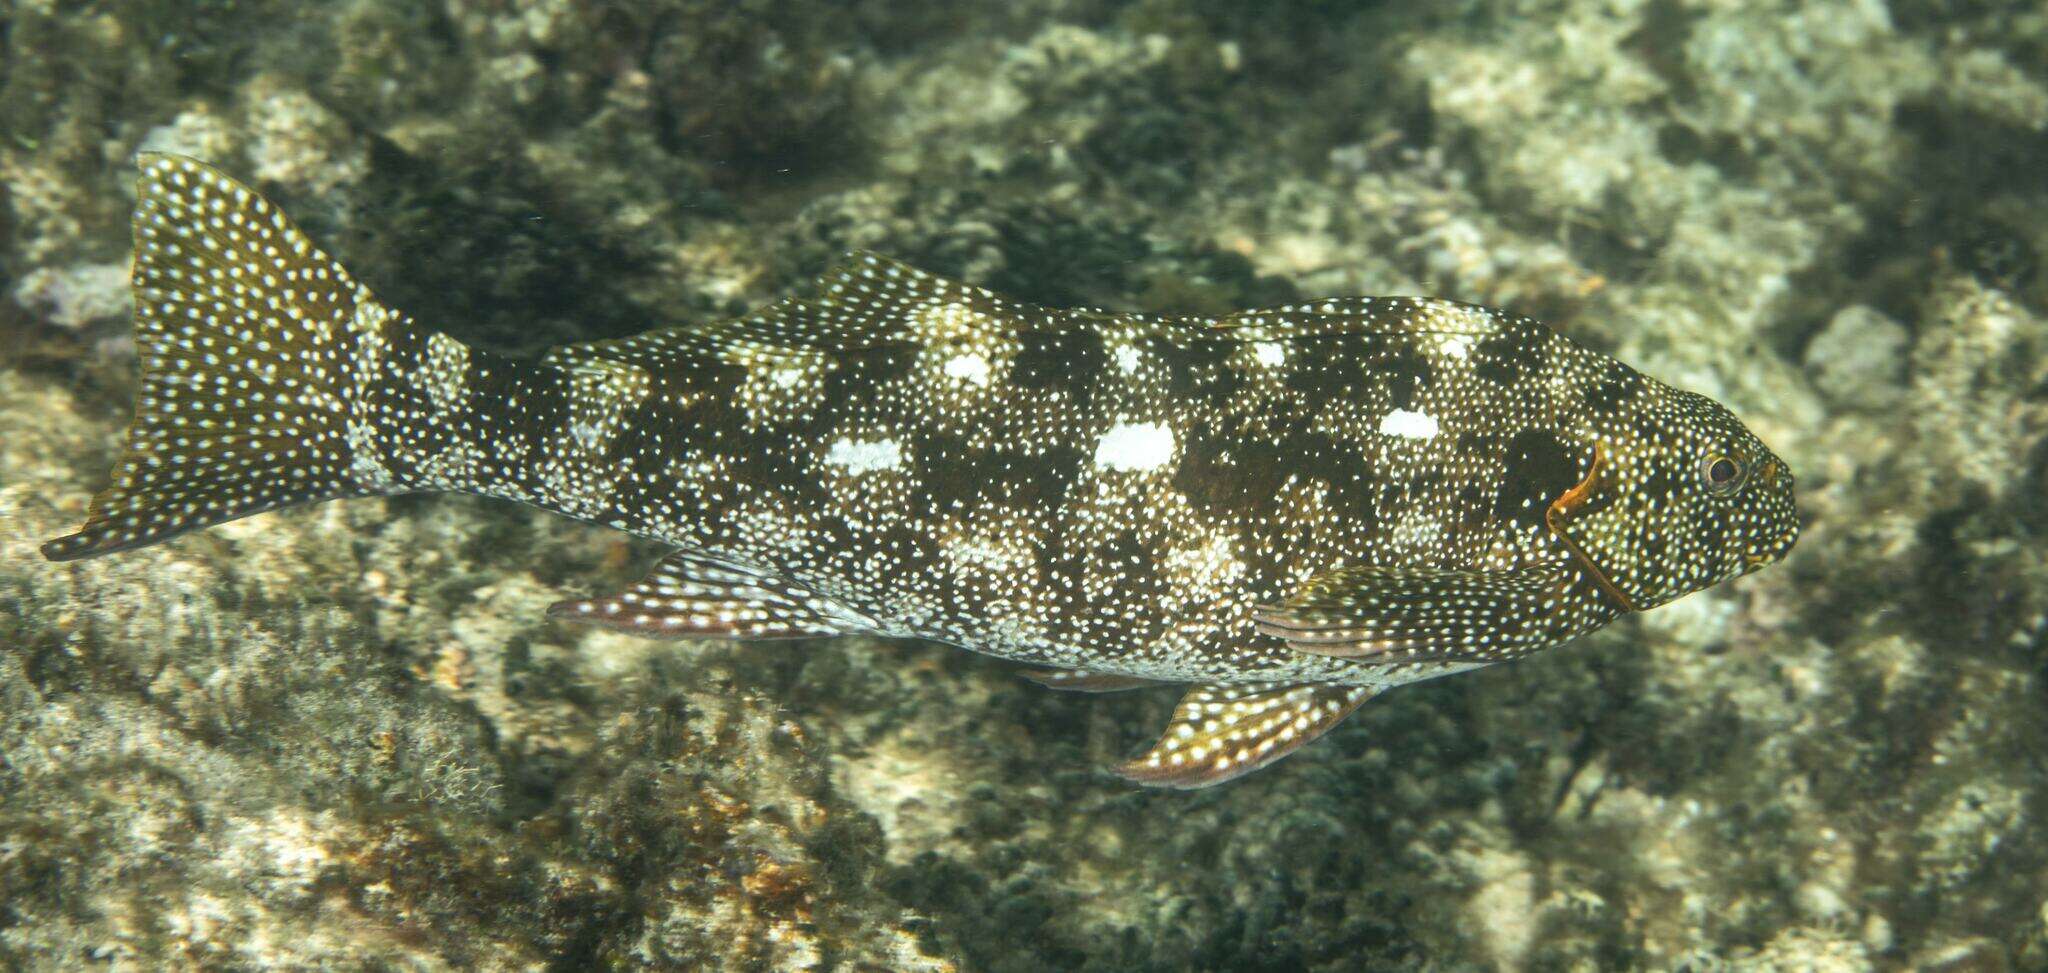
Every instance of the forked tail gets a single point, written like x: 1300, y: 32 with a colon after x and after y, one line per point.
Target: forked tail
x: 252, y: 345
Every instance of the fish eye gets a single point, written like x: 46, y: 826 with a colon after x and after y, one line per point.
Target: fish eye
x: 1721, y: 473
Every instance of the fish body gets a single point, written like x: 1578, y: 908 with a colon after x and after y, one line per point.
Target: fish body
x: 1292, y: 508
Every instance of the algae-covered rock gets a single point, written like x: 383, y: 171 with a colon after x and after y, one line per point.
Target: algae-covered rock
x: 347, y: 737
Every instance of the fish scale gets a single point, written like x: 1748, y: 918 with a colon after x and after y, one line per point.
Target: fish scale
x: 1292, y: 508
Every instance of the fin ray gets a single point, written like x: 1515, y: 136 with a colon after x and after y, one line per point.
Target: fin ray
x: 1084, y: 681
x: 865, y: 302
x: 1368, y: 315
x: 868, y: 302
x: 1219, y: 733
x: 1402, y: 615
x: 691, y: 597
x: 246, y: 336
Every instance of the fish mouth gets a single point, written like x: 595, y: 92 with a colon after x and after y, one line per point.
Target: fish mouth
x: 1770, y: 553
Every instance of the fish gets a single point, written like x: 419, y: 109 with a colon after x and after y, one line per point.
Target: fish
x: 1286, y: 511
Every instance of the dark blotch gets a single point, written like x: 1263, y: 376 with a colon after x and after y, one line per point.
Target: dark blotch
x: 539, y: 412
x: 952, y: 473
x: 1068, y: 361
x: 1240, y: 473
x: 1538, y: 467
x: 1617, y: 385
x: 1198, y: 369
x: 1507, y: 357
x: 1473, y: 443
x: 1406, y: 373
x: 1390, y: 495
x: 1472, y: 506
x: 1337, y: 369
x: 857, y: 382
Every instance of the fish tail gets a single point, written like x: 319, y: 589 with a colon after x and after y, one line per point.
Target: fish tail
x: 251, y: 343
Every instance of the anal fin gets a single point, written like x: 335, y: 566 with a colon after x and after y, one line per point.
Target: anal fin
x: 1221, y: 732
x: 1083, y: 681
x: 689, y: 597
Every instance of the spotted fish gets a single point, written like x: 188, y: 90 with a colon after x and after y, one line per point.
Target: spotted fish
x: 1291, y: 509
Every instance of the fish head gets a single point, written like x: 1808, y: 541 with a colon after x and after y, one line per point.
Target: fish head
x: 1679, y: 496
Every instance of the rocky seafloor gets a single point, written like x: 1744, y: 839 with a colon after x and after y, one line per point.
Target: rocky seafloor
x: 345, y: 737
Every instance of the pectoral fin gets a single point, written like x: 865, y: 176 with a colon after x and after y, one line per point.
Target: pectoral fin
x: 1221, y: 732
x: 1423, y: 614
x: 688, y: 597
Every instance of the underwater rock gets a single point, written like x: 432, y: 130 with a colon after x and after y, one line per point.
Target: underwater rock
x: 76, y: 297
x: 344, y: 736
x: 1859, y: 359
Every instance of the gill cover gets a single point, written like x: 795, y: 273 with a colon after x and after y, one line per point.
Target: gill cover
x: 1608, y: 521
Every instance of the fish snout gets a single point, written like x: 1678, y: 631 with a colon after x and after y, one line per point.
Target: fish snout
x: 1771, y: 551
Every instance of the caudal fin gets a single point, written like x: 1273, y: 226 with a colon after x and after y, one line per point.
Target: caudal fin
x: 249, y: 339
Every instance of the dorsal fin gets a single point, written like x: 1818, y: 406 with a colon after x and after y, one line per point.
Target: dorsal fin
x: 866, y: 301
x: 1367, y: 315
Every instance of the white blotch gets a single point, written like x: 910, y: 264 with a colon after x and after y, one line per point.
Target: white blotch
x: 787, y: 378
x: 1416, y: 531
x: 1455, y: 346
x: 859, y: 456
x: 989, y: 554
x: 1270, y: 353
x: 947, y: 321
x: 1208, y: 567
x: 971, y: 368
x: 446, y: 376
x: 1127, y: 358
x: 1135, y: 446
x: 1410, y: 425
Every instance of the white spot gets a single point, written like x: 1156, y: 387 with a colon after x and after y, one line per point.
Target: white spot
x: 1411, y: 425
x: 1135, y: 446
x: 787, y: 378
x: 865, y: 456
x: 971, y: 368
x: 1455, y: 346
x: 1127, y: 358
x: 1270, y: 354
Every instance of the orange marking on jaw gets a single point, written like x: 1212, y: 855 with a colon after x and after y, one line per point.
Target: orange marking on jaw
x: 1569, y: 501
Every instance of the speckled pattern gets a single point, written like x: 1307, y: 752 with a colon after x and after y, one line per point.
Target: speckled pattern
x: 1293, y: 508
